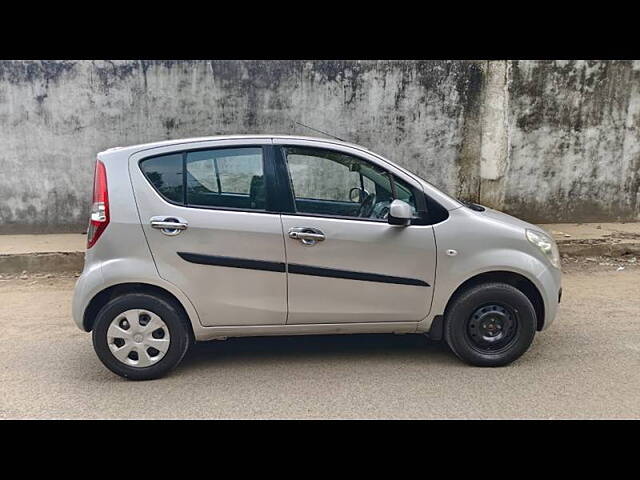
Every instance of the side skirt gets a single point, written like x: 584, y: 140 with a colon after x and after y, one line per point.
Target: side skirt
x: 220, y: 333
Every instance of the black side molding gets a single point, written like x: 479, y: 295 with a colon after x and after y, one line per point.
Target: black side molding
x: 250, y: 264
x: 351, y: 275
x: 233, y: 262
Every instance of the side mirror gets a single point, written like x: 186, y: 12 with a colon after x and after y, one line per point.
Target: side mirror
x: 400, y: 213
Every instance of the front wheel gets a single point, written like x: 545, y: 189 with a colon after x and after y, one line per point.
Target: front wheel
x: 140, y: 336
x: 490, y: 325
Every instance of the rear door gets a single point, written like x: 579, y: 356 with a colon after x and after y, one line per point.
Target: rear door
x: 360, y: 269
x: 207, y: 211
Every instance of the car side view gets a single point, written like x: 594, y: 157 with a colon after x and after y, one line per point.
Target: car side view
x: 209, y: 238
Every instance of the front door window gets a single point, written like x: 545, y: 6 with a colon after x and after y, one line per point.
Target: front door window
x: 327, y: 182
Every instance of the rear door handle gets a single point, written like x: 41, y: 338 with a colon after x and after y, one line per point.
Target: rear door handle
x: 169, y: 225
x: 307, y: 235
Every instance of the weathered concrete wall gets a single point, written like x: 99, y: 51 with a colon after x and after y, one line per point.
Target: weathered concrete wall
x: 574, y: 134
x: 549, y: 141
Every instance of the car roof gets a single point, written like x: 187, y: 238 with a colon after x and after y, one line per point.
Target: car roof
x: 179, y: 141
x: 449, y: 202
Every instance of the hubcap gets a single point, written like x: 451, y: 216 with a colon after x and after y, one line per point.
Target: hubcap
x: 138, y: 338
x: 492, y: 327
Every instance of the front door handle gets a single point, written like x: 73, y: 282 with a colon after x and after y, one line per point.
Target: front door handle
x: 308, y: 236
x: 169, y: 225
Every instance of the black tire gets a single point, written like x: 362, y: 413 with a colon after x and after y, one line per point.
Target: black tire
x: 170, y: 315
x: 468, y: 312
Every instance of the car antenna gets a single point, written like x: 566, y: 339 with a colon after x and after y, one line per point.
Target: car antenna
x: 324, y: 133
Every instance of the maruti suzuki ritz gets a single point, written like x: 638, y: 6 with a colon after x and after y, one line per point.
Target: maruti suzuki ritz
x: 209, y: 238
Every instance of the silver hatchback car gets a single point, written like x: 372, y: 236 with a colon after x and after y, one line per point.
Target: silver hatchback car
x: 209, y: 238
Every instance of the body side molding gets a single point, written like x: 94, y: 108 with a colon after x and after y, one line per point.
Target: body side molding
x: 297, y: 269
x: 351, y: 275
x: 232, y: 262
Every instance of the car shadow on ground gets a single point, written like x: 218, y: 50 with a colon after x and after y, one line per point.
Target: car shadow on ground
x: 314, y: 347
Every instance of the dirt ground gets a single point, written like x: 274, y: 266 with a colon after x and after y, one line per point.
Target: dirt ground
x: 586, y: 365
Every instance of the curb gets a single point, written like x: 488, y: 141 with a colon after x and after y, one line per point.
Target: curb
x: 42, y: 262
x: 586, y: 249
x: 74, y: 261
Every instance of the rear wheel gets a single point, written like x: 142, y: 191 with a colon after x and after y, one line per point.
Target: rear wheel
x: 490, y: 325
x: 140, y: 336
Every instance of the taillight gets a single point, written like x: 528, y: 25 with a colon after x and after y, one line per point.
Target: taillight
x: 100, y: 205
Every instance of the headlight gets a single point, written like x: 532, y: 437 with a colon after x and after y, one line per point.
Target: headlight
x: 546, y: 244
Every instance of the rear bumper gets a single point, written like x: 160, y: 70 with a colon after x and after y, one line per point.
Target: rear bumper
x: 89, y: 281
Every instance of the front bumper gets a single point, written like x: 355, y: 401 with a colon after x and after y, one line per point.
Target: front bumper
x: 550, y: 286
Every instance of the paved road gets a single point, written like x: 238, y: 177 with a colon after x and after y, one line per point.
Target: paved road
x: 586, y: 366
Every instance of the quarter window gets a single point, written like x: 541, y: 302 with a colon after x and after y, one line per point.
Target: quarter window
x: 333, y: 183
x: 165, y: 174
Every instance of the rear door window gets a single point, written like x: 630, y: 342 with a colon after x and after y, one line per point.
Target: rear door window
x: 223, y: 177
x: 230, y: 177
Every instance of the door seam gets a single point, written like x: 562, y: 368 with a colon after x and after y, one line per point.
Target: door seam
x: 286, y: 270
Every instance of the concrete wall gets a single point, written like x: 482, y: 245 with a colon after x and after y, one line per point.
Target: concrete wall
x: 548, y: 141
x: 574, y: 141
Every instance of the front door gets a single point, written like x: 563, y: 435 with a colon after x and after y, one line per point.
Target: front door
x: 345, y: 262
x: 206, y: 213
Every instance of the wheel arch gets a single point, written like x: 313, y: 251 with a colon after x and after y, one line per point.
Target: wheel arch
x: 101, y: 298
x: 516, y: 280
